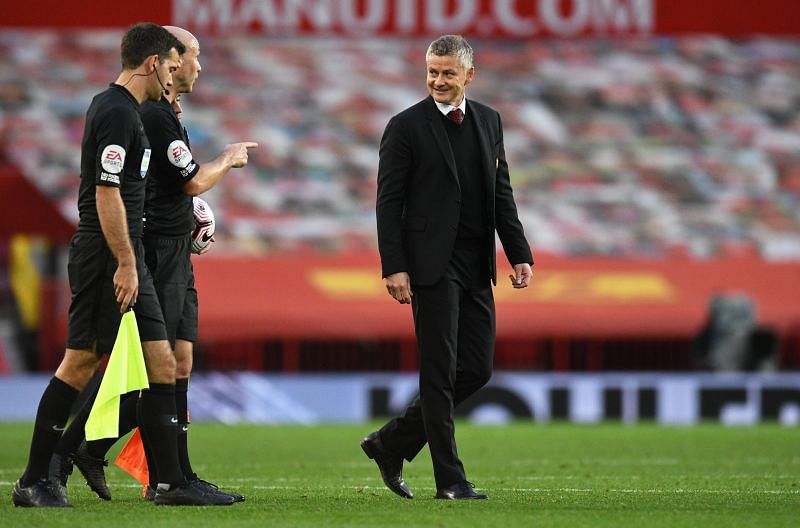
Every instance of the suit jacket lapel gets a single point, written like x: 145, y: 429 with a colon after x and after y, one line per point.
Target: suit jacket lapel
x: 440, y: 136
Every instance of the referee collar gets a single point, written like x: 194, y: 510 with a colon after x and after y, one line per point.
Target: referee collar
x: 122, y: 89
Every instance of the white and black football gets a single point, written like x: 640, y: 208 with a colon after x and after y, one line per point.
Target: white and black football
x: 204, y: 225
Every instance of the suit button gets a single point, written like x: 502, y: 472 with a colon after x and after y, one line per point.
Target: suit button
x: 454, y: 228
x: 458, y: 201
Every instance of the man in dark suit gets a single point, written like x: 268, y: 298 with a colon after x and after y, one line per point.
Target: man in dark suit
x: 443, y: 191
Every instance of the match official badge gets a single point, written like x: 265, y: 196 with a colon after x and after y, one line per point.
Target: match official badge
x: 179, y: 154
x: 113, y: 159
x: 145, y: 163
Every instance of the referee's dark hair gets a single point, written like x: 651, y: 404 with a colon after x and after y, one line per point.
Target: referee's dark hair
x: 145, y: 39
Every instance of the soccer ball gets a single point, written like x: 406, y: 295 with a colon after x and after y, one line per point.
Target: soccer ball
x: 204, y: 225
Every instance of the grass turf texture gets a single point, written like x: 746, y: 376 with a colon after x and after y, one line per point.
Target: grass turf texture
x: 536, y: 476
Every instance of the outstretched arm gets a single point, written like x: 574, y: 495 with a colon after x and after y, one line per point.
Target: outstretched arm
x: 233, y: 157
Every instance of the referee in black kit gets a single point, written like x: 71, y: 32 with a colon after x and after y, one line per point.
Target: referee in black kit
x: 169, y: 221
x: 107, y: 274
x: 175, y: 176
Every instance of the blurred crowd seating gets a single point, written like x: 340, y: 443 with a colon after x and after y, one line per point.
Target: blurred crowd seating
x: 643, y: 148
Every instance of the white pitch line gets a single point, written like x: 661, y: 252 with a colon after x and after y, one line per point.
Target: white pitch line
x: 653, y: 491
x: 554, y: 490
x: 599, y: 461
x: 288, y: 480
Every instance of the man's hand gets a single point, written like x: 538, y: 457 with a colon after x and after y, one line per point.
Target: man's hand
x: 111, y: 212
x: 126, y: 285
x: 237, y: 153
x: 399, y: 286
x: 522, y: 275
x: 207, y: 247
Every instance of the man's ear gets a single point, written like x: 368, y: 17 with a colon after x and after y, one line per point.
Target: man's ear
x: 470, y: 74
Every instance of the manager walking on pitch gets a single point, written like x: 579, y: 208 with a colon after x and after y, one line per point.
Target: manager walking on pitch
x: 443, y: 191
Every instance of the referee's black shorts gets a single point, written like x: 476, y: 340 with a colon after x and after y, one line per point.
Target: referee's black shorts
x: 169, y: 262
x: 94, y: 313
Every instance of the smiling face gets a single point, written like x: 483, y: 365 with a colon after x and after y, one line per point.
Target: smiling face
x: 447, y: 78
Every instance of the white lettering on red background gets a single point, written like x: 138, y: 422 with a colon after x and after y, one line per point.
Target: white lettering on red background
x: 498, y: 18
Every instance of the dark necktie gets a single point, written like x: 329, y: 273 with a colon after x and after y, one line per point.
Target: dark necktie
x: 456, y: 116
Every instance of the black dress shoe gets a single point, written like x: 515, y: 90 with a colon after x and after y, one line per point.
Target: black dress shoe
x: 41, y: 494
x: 460, y: 491
x: 391, y: 465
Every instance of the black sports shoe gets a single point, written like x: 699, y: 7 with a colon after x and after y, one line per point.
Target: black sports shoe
x: 92, y: 470
x: 208, y: 487
x: 189, y: 495
x: 60, y: 468
x: 41, y: 494
x: 59, y: 471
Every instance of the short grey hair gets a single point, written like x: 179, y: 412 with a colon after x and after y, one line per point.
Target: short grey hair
x: 452, y: 45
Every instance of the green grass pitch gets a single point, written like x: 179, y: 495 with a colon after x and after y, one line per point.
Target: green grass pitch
x: 536, y: 476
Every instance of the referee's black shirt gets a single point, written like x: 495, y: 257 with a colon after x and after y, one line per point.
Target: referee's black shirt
x: 168, y: 210
x: 114, y: 152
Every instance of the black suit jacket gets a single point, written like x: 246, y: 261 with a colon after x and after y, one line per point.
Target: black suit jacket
x: 419, y: 196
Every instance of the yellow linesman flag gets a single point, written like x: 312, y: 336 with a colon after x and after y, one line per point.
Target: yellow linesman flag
x: 125, y: 372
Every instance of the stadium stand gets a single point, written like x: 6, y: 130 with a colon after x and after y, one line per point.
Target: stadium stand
x: 641, y: 147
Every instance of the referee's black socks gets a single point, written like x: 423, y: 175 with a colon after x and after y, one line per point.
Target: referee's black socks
x: 182, y: 408
x: 74, y: 434
x: 51, y: 418
x: 159, y: 425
